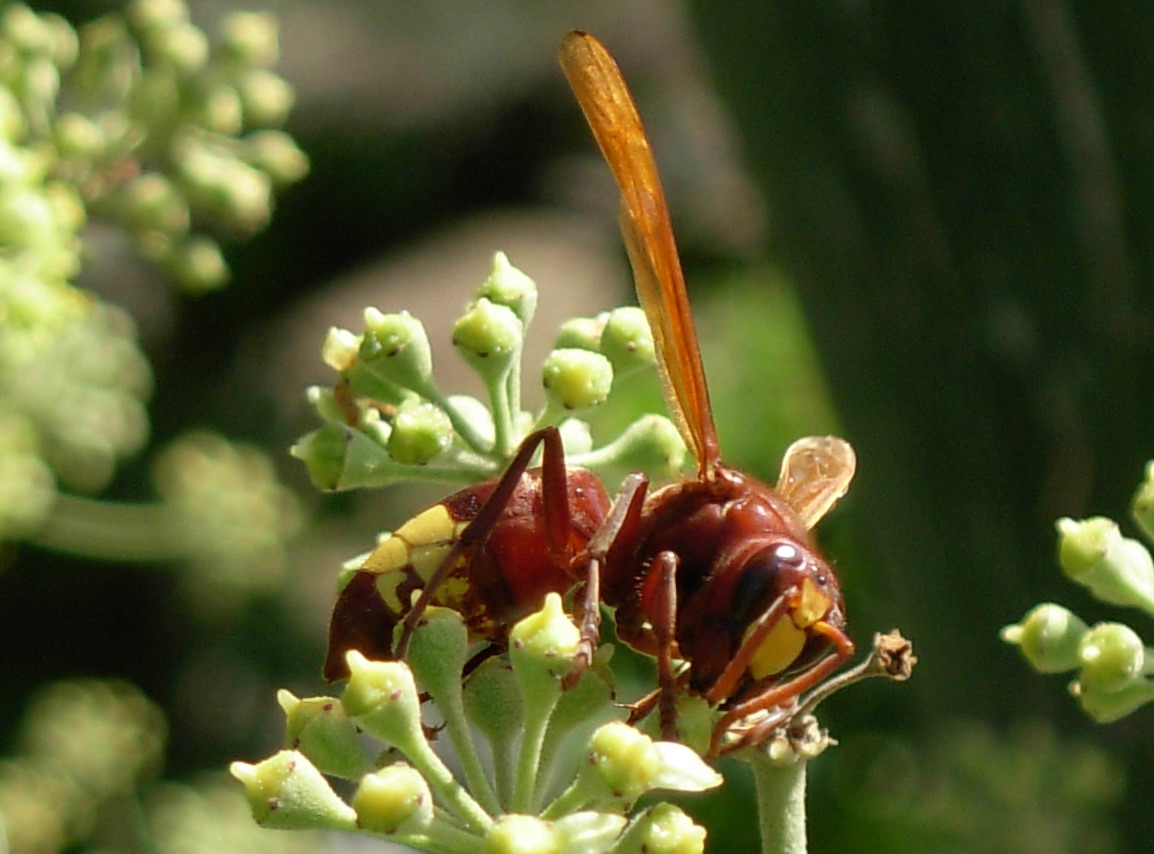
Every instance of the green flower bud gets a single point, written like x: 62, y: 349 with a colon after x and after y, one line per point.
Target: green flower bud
x: 198, y: 264
x: 1049, y: 637
x: 340, y: 348
x: 508, y: 286
x: 396, y: 347
x: 286, y: 792
x: 250, y: 37
x: 1112, y: 656
x: 577, y: 379
x: 78, y: 136
x: 394, y: 800
x: 438, y: 652
x: 1117, y: 570
x: 178, y: 45
x: 266, y: 98
x: 581, y: 333
x: 626, y: 339
x: 220, y: 109
x: 1108, y: 706
x: 488, y: 336
x: 576, y: 436
x: 381, y: 697
x: 545, y: 640
x: 225, y: 187
x: 150, y: 202
x: 420, y: 432
x: 157, y: 13
x: 65, y: 42
x: 323, y: 453
x: 1142, y: 506
x: 662, y: 829
x: 319, y: 728
x: 629, y: 763
x: 275, y: 153
x: 624, y: 760
x: 26, y: 30
x: 522, y: 834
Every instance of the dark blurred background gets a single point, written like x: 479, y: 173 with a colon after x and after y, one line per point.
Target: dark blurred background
x: 935, y: 221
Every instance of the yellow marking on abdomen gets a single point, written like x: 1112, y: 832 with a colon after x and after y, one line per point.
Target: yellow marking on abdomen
x: 419, y: 546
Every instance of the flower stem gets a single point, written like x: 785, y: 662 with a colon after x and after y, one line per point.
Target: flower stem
x: 780, y: 804
x: 110, y: 530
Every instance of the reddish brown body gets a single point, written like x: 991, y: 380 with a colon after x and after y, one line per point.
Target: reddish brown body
x: 727, y: 535
x: 493, y: 581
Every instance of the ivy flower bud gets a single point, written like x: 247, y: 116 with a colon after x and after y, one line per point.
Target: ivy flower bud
x: 652, y: 444
x: 576, y: 436
x: 420, y: 432
x: 220, y: 109
x: 199, y: 265
x: 274, y: 153
x: 1049, y: 637
x: 1117, y: 570
x: 381, y: 697
x: 624, y: 760
x: 489, y: 337
x: 508, y: 286
x: 662, y: 829
x: 522, y: 834
x: 266, y: 98
x: 150, y: 202
x: 396, y: 347
x: 627, y: 340
x: 340, y: 348
x: 545, y: 640
x: 157, y: 13
x: 286, y: 792
x: 580, y: 333
x: 250, y: 37
x: 577, y: 379
x: 1112, y: 656
x: 323, y: 452
x: 1142, y: 505
x: 629, y: 763
x: 77, y: 135
x: 319, y: 728
x: 394, y: 800
x: 179, y: 45
x: 1108, y: 706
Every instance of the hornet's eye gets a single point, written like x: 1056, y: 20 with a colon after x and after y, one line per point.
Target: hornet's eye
x: 764, y: 577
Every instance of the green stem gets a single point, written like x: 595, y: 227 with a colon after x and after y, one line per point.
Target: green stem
x: 503, y: 415
x: 450, y: 793
x: 107, y: 530
x: 463, y: 427
x: 780, y: 804
x: 539, y: 706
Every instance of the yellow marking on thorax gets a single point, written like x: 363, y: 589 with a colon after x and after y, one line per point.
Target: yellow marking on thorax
x: 417, y: 546
x: 785, y: 641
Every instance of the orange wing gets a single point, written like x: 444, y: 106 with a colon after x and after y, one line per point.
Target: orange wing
x: 611, y: 113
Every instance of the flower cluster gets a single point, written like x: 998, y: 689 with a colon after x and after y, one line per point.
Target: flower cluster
x: 142, y: 121
x: 562, y: 775
x: 1112, y: 661
x: 386, y: 420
